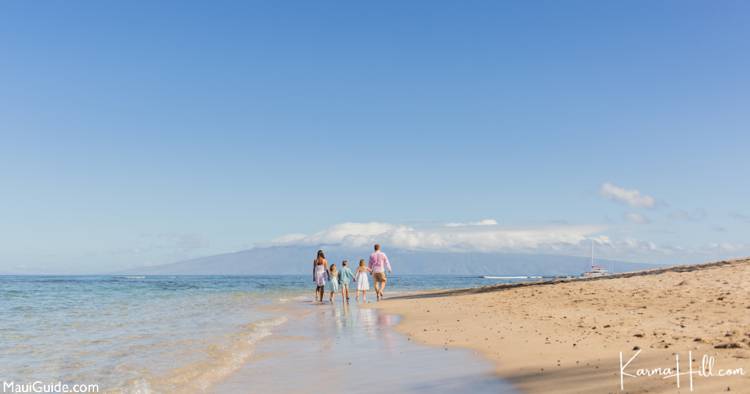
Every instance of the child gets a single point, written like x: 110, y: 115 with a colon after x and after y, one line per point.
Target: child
x: 345, y: 277
x: 363, y: 282
x: 333, y: 282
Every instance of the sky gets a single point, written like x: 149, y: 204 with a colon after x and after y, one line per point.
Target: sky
x: 140, y: 133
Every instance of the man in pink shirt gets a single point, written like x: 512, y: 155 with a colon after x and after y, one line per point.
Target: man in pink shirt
x: 378, y: 264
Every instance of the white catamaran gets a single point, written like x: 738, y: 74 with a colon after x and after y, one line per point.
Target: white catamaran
x: 596, y: 270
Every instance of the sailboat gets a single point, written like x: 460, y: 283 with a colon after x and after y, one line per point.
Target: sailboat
x: 596, y: 270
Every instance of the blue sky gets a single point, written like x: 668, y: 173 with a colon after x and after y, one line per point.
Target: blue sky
x: 135, y: 133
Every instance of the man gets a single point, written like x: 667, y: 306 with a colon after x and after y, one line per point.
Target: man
x: 378, y: 264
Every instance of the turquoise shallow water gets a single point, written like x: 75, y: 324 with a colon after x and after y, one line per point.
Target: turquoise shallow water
x: 153, y: 333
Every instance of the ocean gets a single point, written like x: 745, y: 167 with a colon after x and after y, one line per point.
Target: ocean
x: 164, y: 334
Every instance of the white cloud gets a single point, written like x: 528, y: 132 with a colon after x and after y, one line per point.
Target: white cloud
x: 483, y: 222
x: 477, y: 237
x: 636, y: 218
x: 631, y: 197
x: 551, y: 239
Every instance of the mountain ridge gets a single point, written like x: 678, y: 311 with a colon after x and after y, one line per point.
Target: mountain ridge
x: 285, y: 260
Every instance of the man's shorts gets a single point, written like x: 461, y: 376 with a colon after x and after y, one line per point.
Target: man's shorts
x: 379, y: 277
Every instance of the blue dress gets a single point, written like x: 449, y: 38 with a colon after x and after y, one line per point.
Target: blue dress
x: 333, y: 282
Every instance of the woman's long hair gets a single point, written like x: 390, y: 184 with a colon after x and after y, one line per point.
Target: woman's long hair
x: 321, y: 255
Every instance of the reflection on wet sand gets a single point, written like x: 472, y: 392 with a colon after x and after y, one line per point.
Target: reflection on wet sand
x: 351, y: 349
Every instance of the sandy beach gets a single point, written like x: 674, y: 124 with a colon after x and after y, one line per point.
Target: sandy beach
x: 567, y: 336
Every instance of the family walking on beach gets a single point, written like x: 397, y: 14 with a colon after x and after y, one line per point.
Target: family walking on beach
x: 336, y: 280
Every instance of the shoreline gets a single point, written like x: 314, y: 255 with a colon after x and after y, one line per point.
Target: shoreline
x: 335, y: 348
x: 565, y: 336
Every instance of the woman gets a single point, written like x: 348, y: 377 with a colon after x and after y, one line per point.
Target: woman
x: 320, y: 274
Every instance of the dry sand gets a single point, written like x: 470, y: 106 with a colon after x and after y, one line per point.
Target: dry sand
x: 566, y: 337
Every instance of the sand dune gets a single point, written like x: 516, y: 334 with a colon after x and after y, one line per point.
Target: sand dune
x: 566, y: 336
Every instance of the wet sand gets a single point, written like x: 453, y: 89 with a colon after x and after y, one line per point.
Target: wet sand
x: 347, y: 349
x: 566, y: 336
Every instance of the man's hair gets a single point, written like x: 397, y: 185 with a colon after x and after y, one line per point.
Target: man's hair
x: 377, y: 246
x: 345, y: 262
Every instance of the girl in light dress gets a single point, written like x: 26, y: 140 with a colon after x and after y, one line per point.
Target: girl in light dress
x: 363, y: 282
x: 333, y: 282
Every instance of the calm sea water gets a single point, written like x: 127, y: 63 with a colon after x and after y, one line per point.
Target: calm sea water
x: 151, y: 333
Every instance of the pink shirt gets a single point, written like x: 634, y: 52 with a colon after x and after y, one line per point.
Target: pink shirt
x: 379, y: 262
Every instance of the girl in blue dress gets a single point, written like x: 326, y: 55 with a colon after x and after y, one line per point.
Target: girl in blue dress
x: 333, y: 282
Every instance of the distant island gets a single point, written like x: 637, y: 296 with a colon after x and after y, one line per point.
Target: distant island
x: 295, y: 260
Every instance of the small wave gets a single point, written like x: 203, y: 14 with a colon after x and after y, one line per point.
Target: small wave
x: 222, y: 360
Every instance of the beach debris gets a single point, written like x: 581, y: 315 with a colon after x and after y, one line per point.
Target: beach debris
x: 639, y: 335
x: 728, y: 345
x: 636, y: 348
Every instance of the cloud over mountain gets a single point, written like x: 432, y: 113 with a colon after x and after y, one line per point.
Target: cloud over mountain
x: 485, y: 236
x: 483, y: 222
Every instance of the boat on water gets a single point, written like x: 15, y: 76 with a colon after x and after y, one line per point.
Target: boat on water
x: 596, y: 270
